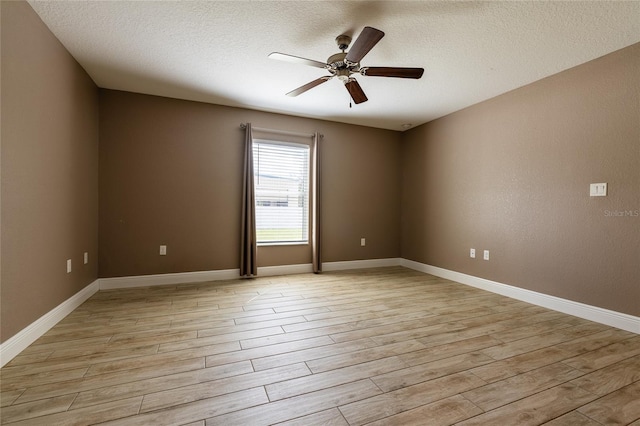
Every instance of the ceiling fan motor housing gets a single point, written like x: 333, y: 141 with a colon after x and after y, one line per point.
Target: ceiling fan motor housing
x: 337, y: 65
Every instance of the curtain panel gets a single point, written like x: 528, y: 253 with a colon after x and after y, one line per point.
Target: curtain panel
x: 315, y: 212
x: 248, y: 245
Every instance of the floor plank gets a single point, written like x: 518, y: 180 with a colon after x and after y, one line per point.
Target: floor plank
x: 331, y: 417
x: 273, y: 349
x: 617, y: 408
x: 444, y: 412
x: 310, y: 354
x: 363, y: 355
x: 87, y: 416
x: 408, y: 398
x: 536, y: 409
x: 332, y: 378
x: 148, y: 387
x: 198, y: 410
x: 517, y: 387
x: 428, y: 371
x: 572, y: 418
x: 612, y: 377
x: 302, y: 405
x: 208, y: 389
x: 605, y: 356
x: 39, y: 408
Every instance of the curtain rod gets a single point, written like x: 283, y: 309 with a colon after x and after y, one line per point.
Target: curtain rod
x: 281, y: 132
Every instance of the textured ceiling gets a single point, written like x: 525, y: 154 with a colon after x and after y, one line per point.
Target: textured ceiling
x: 216, y: 51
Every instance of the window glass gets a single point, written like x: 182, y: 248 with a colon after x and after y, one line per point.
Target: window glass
x: 281, y: 178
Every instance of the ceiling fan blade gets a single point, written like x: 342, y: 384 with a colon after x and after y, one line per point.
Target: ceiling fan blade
x: 392, y: 72
x: 297, y: 60
x: 368, y: 38
x: 356, y: 92
x: 308, y: 86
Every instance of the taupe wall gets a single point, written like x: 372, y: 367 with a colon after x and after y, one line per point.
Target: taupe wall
x: 170, y: 173
x: 49, y: 171
x: 512, y: 175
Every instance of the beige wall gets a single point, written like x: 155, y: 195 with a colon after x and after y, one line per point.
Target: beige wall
x: 49, y: 178
x: 512, y: 175
x: 170, y: 173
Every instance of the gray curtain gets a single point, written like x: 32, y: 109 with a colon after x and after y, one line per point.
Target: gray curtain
x: 315, y: 213
x: 248, y: 251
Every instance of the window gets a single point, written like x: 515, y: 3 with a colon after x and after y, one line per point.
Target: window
x: 281, y: 179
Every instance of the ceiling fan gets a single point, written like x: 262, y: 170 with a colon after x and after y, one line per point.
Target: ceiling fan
x: 343, y: 65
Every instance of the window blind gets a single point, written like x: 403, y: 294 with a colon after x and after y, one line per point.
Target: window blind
x: 281, y: 181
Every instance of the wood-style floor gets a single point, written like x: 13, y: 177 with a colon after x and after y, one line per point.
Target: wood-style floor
x: 385, y: 346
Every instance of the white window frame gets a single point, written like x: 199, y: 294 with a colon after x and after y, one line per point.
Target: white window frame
x: 305, y: 217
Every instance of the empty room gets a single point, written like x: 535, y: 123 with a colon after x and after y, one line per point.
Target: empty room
x: 320, y: 213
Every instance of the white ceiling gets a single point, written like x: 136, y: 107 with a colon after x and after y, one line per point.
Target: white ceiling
x: 216, y: 51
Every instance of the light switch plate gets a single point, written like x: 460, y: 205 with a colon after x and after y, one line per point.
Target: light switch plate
x: 163, y: 250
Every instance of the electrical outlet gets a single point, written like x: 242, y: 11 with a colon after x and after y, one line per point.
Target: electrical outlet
x: 68, y: 265
x: 363, y: 242
x: 163, y: 250
x: 598, y: 190
x: 486, y: 255
x: 86, y: 257
x: 472, y: 253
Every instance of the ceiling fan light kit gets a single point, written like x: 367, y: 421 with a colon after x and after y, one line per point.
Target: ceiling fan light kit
x: 343, y: 65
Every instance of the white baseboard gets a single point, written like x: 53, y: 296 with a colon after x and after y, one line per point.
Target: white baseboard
x: 166, y: 279
x: 327, y: 266
x: 361, y: 264
x: 230, y: 274
x: 28, y: 335
x: 593, y: 313
x: 269, y: 271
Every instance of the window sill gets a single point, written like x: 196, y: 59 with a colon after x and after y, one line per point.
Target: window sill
x: 293, y: 243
